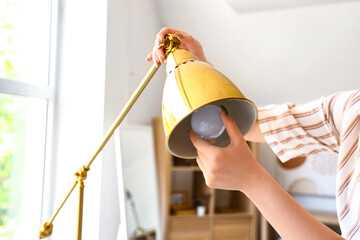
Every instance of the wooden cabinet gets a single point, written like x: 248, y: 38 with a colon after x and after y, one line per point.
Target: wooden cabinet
x: 229, y: 215
x: 329, y: 219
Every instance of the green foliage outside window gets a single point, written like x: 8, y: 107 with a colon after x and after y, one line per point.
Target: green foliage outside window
x: 12, y: 133
x: 7, y: 50
x: 12, y: 143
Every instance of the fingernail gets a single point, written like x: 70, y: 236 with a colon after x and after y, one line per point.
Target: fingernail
x: 180, y: 36
x: 224, y: 110
x: 191, y: 132
x: 162, y: 59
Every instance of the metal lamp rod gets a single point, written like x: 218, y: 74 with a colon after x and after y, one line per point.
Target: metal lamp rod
x: 171, y: 42
x: 46, y: 228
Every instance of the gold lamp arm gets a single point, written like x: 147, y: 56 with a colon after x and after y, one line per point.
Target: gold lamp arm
x: 171, y: 42
x: 125, y: 110
x: 46, y: 228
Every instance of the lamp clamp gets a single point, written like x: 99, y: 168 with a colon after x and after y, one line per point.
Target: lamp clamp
x: 81, y: 174
x: 170, y: 44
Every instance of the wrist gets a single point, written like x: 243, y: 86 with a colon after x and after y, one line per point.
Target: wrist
x: 258, y: 177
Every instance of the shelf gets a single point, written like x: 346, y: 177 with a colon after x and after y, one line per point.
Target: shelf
x: 216, y: 216
x: 190, y: 217
x: 231, y: 202
x: 233, y: 215
x: 186, y: 168
x: 326, y: 217
x: 232, y: 228
x: 228, y: 215
x: 193, y: 228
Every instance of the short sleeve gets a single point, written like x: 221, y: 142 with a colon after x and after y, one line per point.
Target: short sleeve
x: 298, y: 130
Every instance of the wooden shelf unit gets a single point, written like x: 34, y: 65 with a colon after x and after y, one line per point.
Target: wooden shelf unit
x: 267, y: 232
x: 229, y: 215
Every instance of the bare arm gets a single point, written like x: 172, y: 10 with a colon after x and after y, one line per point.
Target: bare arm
x: 235, y: 168
x: 289, y: 219
x: 255, y: 134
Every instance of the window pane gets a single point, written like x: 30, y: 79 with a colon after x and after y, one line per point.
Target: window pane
x: 22, y: 144
x: 24, y: 40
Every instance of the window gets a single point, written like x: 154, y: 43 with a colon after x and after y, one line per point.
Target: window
x: 27, y: 47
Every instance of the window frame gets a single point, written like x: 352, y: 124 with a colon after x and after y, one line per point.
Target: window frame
x: 48, y: 93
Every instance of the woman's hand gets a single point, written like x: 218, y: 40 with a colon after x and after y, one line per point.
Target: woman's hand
x: 232, y: 167
x: 187, y: 42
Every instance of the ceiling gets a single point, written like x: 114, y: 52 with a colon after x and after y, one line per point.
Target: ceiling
x: 242, y: 6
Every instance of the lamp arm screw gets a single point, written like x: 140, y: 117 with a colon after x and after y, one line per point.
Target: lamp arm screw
x: 45, y: 230
x: 81, y: 175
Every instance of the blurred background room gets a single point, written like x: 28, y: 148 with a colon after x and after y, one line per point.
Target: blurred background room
x: 68, y: 67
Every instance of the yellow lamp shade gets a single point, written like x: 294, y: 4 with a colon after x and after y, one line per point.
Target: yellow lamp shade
x: 191, y: 85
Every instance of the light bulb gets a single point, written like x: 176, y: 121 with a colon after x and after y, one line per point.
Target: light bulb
x: 206, y: 122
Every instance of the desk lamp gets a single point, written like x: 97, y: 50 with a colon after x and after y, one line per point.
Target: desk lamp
x: 194, y: 94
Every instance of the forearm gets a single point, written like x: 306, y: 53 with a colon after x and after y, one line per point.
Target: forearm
x: 234, y: 168
x: 287, y: 217
x: 255, y: 134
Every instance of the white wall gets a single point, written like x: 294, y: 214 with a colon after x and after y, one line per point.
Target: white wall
x: 276, y: 56
x: 79, y: 112
x: 132, y: 26
x: 140, y: 179
x: 99, y: 67
x: 273, y: 56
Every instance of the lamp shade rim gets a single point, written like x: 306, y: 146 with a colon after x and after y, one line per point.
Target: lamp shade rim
x: 173, y: 127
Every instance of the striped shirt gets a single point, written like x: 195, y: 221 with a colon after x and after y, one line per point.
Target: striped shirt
x: 329, y: 124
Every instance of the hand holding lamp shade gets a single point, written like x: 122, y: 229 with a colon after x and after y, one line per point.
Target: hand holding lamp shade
x: 193, y: 94
x: 194, y: 90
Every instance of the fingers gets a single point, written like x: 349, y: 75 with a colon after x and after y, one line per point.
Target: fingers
x: 202, y: 167
x: 149, y: 57
x: 201, y: 157
x: 187, y: 42
x: 162, y: 33
x: 201, y: 164
x: 200, y: 144
x: 206, y: 146
x: 157, y: 55
x: 231, y: 127
x: 210, y: 141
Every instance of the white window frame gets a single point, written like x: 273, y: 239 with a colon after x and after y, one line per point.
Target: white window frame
x: 47, y: 93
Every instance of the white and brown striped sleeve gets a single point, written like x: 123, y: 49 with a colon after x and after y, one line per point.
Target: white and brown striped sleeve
x: 297, y: 130
x: 348, y: 168
x: 330, y: 124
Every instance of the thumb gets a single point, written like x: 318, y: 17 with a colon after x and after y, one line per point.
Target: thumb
x: 231, y: 127
x: 183, y: 40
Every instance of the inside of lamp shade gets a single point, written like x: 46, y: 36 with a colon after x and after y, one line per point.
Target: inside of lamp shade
x: 242, y: 111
